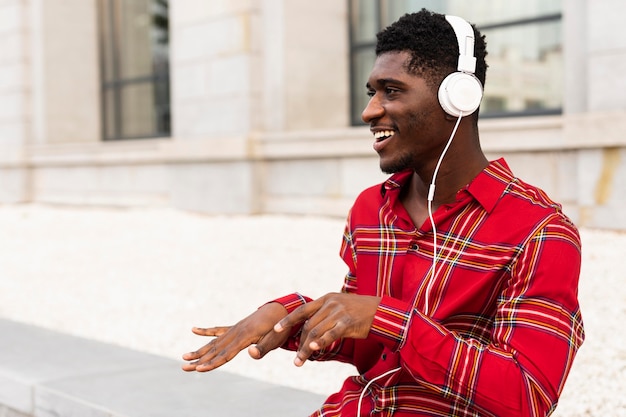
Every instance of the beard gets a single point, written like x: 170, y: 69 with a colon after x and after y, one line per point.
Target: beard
x: 408, y: 158
x: 399, y: 164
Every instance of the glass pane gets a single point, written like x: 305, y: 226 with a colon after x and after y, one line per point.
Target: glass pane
x: 364, y: 21
x: 525, y: 68
x: 135, y: 68
x: 480, y: 12
x: 486, y: 12
x: 363, y: 61
x: 159, y: 34
x: 162, y: 107
x: 137, y: 110
x: 398, y: 8
x: 135, y: 46
x: 107, y: 40
x: 109, y: 114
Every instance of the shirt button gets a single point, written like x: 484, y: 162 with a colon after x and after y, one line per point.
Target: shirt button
x: 414, y: 246
x: 384, y: 356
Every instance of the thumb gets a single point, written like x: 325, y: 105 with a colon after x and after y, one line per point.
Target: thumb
x: 254, y: 352
x: 267, y: 343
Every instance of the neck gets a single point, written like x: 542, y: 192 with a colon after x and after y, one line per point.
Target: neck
x: 458, y: 168
x: 448, y: 183
x: 463, y: 160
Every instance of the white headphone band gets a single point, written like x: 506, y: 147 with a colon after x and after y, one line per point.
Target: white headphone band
x: 460, y: 93
x: 465, y: 39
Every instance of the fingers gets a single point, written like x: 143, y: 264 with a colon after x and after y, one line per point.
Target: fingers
x: 210, y: 331
x: 227, y: 344
x: 223, y: 349
x: 312, y: 336
x: 298, y: 316
x: 229, y: 341
x: 270, y: 341
x: 318, y: 333
x: 217, y: 357
x: 214, y: 354
x: 329, y: 319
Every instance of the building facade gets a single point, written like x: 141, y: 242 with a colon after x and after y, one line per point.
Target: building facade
x: 249, y: 106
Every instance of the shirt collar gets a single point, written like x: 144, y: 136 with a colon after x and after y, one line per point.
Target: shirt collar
x: 491, y: 183
x: 395, y: 182
x: 486, y: 188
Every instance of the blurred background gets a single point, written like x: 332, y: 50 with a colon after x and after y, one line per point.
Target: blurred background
x: 231, y: 106
x: 165, y: 164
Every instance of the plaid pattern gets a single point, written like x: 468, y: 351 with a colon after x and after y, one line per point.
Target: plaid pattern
x: 504, y: 323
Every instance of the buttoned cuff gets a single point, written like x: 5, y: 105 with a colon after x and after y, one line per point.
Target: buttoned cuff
x: 391, y: 322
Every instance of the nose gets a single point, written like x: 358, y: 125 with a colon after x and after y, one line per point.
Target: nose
x: 373, y: 110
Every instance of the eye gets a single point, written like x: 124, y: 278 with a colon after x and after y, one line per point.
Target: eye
x: 370, y: 92
x: 391, y: 90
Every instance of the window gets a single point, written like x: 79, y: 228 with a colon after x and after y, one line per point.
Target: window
x: 134, y: 68
x: 524, y: 45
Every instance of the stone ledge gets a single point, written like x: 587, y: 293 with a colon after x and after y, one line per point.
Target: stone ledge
x: 45, y: 374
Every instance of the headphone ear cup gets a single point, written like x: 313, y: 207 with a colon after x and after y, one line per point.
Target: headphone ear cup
x: 460, y: 92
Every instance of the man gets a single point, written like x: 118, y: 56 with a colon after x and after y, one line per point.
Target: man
x: 459, y: 300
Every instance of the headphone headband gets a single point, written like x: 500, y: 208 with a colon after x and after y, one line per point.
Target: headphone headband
x: 460, y: 92
x: 465, y: 38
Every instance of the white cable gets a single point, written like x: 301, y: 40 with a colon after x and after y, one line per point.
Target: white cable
x: 358, y: 410
x: 431, y: 197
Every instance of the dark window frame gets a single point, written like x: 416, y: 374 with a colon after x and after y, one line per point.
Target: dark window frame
x: 356, y: 47
x: 116, y: 84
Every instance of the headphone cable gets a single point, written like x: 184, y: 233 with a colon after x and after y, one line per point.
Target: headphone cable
x: 431, y: 197
x: 358, y: 410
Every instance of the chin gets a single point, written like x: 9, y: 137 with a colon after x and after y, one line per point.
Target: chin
x: 390, y: 170
x: 395, y: 166
x: 386, y: 170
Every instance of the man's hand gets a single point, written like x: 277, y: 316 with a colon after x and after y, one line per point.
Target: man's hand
x: 327, y: 319
x: 229, y: 341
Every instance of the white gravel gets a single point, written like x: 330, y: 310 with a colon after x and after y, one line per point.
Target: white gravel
x: 141, y: 278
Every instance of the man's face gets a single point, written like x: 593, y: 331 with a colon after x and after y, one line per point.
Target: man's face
x: 404, y: 115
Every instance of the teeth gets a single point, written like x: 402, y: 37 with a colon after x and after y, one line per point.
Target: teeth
x: 383, y: 134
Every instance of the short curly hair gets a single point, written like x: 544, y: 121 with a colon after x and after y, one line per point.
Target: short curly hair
x: 433, y: 46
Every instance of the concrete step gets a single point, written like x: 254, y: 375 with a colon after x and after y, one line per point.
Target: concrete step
x: 48, y: 374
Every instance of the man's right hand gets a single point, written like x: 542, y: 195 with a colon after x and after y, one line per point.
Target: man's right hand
x: 229, y: 341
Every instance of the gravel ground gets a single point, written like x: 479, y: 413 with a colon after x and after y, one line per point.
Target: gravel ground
x: 142, y: 278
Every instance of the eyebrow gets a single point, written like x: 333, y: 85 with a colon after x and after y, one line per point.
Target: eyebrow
x: 386, y: 81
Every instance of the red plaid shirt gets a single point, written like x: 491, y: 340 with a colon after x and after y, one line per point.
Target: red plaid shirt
x: 504, y: 323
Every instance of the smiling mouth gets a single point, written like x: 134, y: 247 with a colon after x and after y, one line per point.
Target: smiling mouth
x: 382, y: 135
x: 381, y: 139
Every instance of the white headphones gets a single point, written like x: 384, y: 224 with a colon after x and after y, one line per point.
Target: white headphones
x: 460, y: 92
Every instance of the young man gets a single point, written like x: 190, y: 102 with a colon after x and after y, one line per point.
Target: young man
x: 460, y: 300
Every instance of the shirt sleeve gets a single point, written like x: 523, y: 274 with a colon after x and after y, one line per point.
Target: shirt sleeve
x: 536, y: 334
x: 292, y: 301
